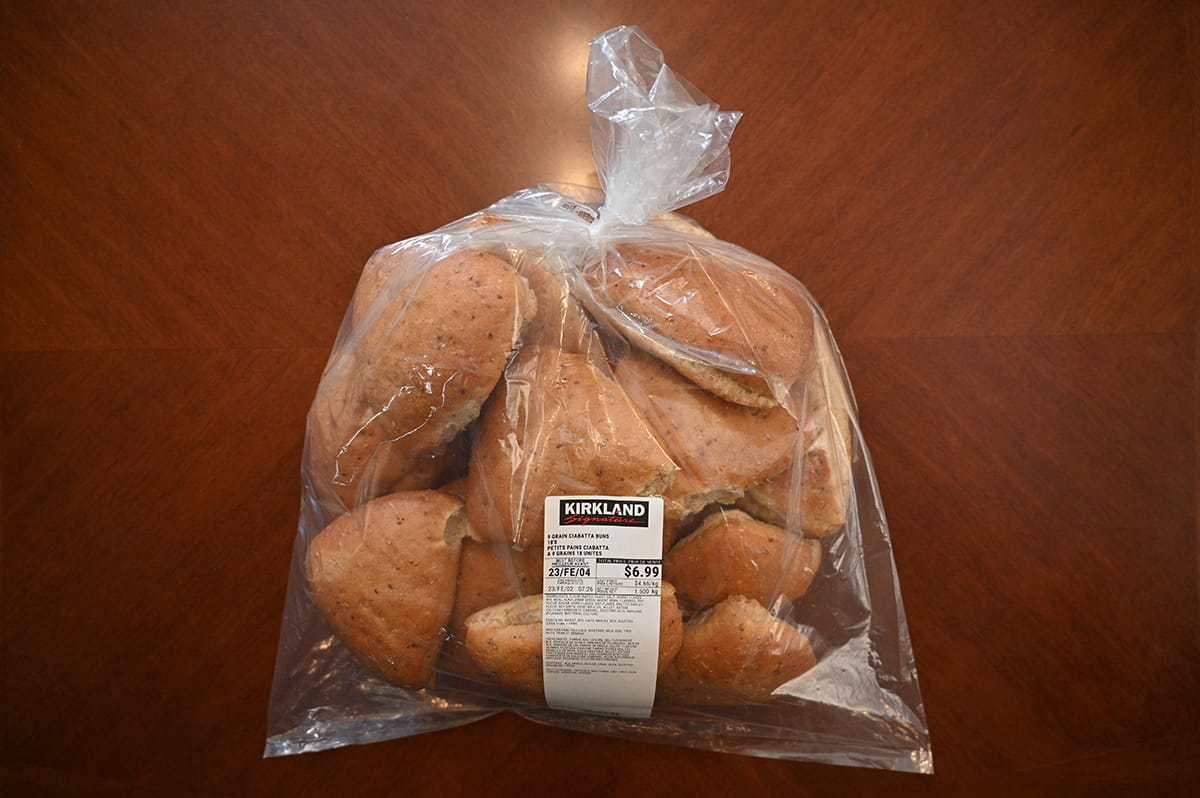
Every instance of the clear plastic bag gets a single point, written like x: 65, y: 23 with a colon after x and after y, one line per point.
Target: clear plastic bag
x: 570, y: 342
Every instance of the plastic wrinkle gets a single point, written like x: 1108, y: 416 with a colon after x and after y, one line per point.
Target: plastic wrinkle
x: 339, y: 478
x: 659, y: 143
x: 639, y: 312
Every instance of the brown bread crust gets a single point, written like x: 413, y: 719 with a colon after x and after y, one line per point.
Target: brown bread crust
x: 823, y: 484
x: 721, y: 447
x: 421, y: 371
x: 557, y: 425
x: 730, y: 553
x: 384, y: 577
x: 505, y: 641
x: 736, y: 652
x: 671, y: 299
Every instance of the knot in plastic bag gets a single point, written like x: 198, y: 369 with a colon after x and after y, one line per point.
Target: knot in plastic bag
x: 658, y: 142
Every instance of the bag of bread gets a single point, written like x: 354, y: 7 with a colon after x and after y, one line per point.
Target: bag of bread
x: 575, y: 458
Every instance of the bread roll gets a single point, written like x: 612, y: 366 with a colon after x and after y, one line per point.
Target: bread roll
x: 721, y: 447
x: 383, y: 577
x: 490, y: 574
x: 383, y: 269
x: 560, y: 320
x: 725, y: 326
x: 823, y: 483
x: 732, y: 554
x: 736, y: 652
x: 557, y: 425
x: 505, y: 641
x: 419, y: 373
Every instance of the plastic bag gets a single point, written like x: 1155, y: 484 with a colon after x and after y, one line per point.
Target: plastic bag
x: 568, y: 342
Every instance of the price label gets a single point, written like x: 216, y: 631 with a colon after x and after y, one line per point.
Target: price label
x: 601, y: 603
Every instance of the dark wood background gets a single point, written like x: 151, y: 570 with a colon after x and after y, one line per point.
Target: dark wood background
x: 994, y: 202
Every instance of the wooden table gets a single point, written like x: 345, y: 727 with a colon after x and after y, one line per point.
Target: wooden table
x: 994, y: 203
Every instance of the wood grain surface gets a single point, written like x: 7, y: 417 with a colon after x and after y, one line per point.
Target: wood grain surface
x: 994, y: 202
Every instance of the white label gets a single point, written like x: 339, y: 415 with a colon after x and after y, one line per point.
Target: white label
x: 600, y: 614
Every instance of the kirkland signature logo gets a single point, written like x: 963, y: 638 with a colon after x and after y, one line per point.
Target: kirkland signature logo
x: 627, y: 512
